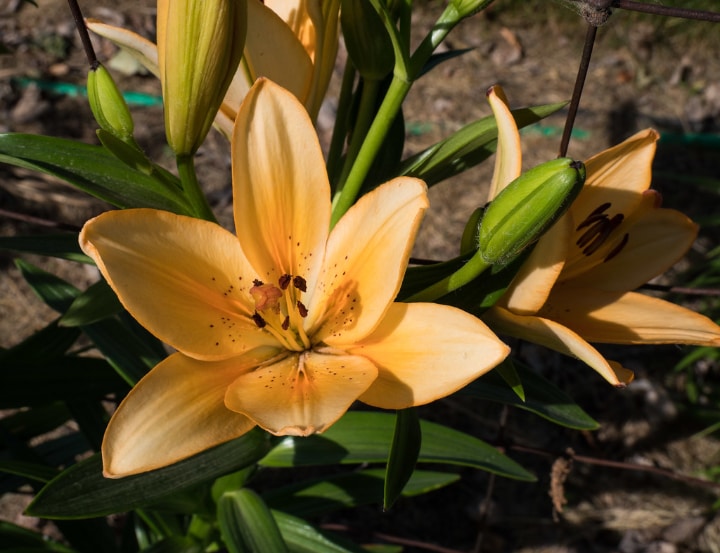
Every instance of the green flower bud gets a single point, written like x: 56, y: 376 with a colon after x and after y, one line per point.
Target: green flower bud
x: 108, y: 105
x: 366, y: 39
x: 526, y: 208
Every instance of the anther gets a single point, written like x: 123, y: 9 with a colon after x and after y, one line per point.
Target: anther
x: 300, y: 284
x: 302, y: 309
x: 259, y: 321
x: 286, y: 323
x: 618, y: 247
x: 284, y: 281
x: 594, y: 216
x: 257, y: 282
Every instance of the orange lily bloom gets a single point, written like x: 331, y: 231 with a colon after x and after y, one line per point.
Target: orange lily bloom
x: 286, y: 324
x: 577, y: 285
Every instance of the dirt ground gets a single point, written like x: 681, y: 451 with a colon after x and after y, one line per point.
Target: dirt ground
x: 645, y: 72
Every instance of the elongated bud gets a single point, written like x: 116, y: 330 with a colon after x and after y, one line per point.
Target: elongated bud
x: 366, y: 39
x: 527, y: 207
x: 200, y: 44
x: 108, y: 105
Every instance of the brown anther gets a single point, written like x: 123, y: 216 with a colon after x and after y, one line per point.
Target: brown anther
x: 286, y: 323
x: 257, y: 282
x: 284, y: 281
x: 618, y: 247
x: 258, y: 320
x: 302, y: 309
x: 595, y: 215
x: 598, y: 233
x: 299, y: 283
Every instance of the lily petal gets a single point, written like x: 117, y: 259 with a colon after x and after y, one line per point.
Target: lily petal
x: 180, y: 277
x: 366, y: 257
x: 508, y: 159
x: 426, y: 351
x: 657, y: 239
x: 618, y: 175
x: 557, y: 337
x: 629, y: 318
x: 301, y: 394
x: 174, y: 412
x: 282, y: 207
x: 139, y: 47
x: 537, y: 276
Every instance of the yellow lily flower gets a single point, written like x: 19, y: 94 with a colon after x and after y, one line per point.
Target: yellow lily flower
x: 286, y: 324
x: 576, y: 286
x: 300, y: 57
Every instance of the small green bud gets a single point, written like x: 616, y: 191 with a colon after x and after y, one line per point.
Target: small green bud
x: 527, y: 207
x: 108, y: 105
x: 366, y: 39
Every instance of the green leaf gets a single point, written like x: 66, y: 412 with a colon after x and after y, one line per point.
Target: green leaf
x: 403, y: 455
x: 63, y: 378
x: 31, y: 471
x: 81, y: 491
x: 47, y: 343
x: 247, y: 525
x: 340, y: 491
x: 542, y: 398
x: 54, y: 291
x: 92, y: 169
x: 96, y: 303
x: 467, y: 147
x: 302, y: 537
x: 509, y: 374
x: 175, y: 544
x: 18, y: 539
x: 63, y: 246
x: 364, y: 437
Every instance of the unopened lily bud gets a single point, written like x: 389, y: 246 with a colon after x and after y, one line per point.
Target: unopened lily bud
x: 108, y: 105
x: 200, y: 44
x: 526, y: 208
x: 366, y: 39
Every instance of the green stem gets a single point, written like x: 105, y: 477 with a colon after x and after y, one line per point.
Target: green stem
x: 470, y: 271
x: 364, y: 118
x: 341, y: 123
x: 191, y: 188
x: 346, y: 196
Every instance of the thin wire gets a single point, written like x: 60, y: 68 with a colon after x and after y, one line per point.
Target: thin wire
x: 667, y: 11
x: 84, y: 35
x: 577, y: 91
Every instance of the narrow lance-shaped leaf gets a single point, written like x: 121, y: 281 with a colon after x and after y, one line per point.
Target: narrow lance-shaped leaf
x: 247, y: 525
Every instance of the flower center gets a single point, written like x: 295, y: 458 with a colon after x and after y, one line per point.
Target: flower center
x: 600, y: 233
x: 280, y: 311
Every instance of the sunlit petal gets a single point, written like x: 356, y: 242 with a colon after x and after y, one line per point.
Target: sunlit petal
x: 508, y: 159
x: 282, y: 206
x: 366, y: 258
x: 629, y: 318
x: 139, y: 47
x: 302, y: 393
x: 618, y: 175
x: 557, y: 337
x: 283, y: 59
x: 538, y: 274
x: 184, y: 279
x: 176, y: 411
x: 426, y: 351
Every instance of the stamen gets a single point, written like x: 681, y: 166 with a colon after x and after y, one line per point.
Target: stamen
x: 286, y: 323
x: 618, y: 247
x: 284, y: 281
x: 599, y: 231
x: 302, y: 309
x: 595, y: 215
x: 257, y: 282
x: 259, y: 321
x: 300, y: 283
